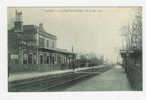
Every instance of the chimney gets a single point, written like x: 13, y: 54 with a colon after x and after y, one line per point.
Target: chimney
x: 18, y: 22
x: 41, y: 28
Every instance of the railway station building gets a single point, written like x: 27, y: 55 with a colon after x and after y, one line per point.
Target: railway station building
x: 32, y: 45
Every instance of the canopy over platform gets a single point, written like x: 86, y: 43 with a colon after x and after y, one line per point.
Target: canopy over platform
x: 56, y: 50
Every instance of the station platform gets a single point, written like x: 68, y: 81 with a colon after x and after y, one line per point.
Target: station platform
x: 113, y: 80
x: 22, y: 76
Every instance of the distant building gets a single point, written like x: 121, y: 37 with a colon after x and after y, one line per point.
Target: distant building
x: 31, y: 44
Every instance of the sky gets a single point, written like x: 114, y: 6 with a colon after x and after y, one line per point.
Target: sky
x: 86, y: 29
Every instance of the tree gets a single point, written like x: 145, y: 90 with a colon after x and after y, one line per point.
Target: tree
x: 133, y: 32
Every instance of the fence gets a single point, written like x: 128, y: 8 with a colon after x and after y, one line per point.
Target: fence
x: 16, y: 68
x: 133, y: 68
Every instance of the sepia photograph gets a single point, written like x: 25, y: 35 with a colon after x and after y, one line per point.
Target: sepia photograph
x: 75, y: 48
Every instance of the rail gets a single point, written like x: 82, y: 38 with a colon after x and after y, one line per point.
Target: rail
x: 45, y: 83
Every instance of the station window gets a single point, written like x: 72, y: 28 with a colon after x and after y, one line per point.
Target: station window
x: 48, y: 43
x: 30, y: 59
x: 34, y: 59
x: 41, y: 42
x: 41, y: 59
x: 48, y: 59
x: 25, y: 59
x: 59, y: 59
x: 53, y: 60
x: 53, y: 44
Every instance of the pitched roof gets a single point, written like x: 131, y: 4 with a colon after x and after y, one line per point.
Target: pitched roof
x: 28, y: 27
x: 33, y: 28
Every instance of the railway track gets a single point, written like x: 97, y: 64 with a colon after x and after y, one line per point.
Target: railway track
x: 48, y: 82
